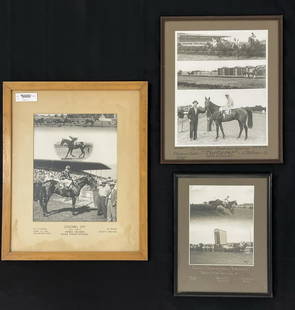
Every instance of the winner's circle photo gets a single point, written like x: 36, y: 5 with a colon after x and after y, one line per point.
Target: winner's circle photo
x: 222, y: 119
x: 68, y: 184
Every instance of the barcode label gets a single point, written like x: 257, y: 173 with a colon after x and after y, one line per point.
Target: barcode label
x: 25, y: 97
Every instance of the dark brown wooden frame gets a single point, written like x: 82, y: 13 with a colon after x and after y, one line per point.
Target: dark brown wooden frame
x: 279, y: 18
x: 269, y: 293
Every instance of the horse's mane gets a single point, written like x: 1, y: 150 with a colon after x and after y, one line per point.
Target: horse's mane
x: 50, y: 181
x: 212, y: 107
x: 215, y: 106
x: 81, y: 178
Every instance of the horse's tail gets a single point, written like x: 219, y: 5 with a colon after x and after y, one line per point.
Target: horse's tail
x: 250, y: 118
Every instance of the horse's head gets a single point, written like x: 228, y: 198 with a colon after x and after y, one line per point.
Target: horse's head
x: 91, y: 181
x: 207, y: 102
x: 62, y: 142
x: 232, y: 205
x: 210, y: 106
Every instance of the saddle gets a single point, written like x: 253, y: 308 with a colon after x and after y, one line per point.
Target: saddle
x: 66, y: 186
x: 227, y: 116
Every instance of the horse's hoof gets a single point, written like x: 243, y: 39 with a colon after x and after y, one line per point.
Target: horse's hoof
x: 46, y: 214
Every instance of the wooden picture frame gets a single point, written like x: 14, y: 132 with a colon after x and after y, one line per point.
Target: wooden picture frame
x: 193, y: 70
x: 242, y: 274
x: 129, y: 101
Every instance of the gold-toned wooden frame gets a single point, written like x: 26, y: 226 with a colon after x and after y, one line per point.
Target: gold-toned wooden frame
x: 8, y: 88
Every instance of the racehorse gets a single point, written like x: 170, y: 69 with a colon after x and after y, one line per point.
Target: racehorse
x: 221, y: 206
x: 241, y: 115
x: 254, y: 71
x: 251, y: 72
x: 72, y: 146
x: 54, y: 187
x: 217, y: 205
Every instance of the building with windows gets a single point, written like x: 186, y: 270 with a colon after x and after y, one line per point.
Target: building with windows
x: 220, y: 237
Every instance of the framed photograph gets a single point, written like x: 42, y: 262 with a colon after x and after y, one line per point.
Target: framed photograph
x: 75, y: 171
x: 222, y: 235
x: 221, y: 89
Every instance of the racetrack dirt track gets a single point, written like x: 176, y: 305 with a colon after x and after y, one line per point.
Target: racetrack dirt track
x: 60, y: 209
x: 199, y: 57
x: 256, y: 135
x: 221, y: 258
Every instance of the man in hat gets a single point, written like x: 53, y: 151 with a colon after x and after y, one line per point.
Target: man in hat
x: 193, y: 116
x: 104, y: 191
x: 112, y: 203
x: 96, y: 197
x: 252, y: 39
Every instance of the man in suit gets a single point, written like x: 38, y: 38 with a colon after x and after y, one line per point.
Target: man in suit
x: 193, y: 116
x: 96, y: 198
x: 112, y: 204
x: 104, y: 191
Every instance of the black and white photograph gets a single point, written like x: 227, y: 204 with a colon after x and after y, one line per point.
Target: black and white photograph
x: 221, y: 225
x: 221, y: 88
x: 221, y: 45
x: 75, y: 167
x: 242, y: 74
x: 221, y: 118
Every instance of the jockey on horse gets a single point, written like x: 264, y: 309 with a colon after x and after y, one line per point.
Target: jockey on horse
x: 226, y: 200
x: 73, y: 140
x: 65, y: 177
x: 226, y: 110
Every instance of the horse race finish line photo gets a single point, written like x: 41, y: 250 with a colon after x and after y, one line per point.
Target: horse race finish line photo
x: 222, y: 234
x: 67, y: 185
x: 221, y: 225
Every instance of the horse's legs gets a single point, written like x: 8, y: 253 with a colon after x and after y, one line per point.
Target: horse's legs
x: 45, y: 212
x: 241, y: 129
x: 72, y: 152
x: 73, y: 204
x: 82, y: 155
x: 221, y: 128
x: 43, y: 206
x: 68, y: 153
x: 43, y: 203
x: 246, y: 132
x: 217, y: 130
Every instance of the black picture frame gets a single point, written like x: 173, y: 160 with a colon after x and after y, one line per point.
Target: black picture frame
x: 269, y: 293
